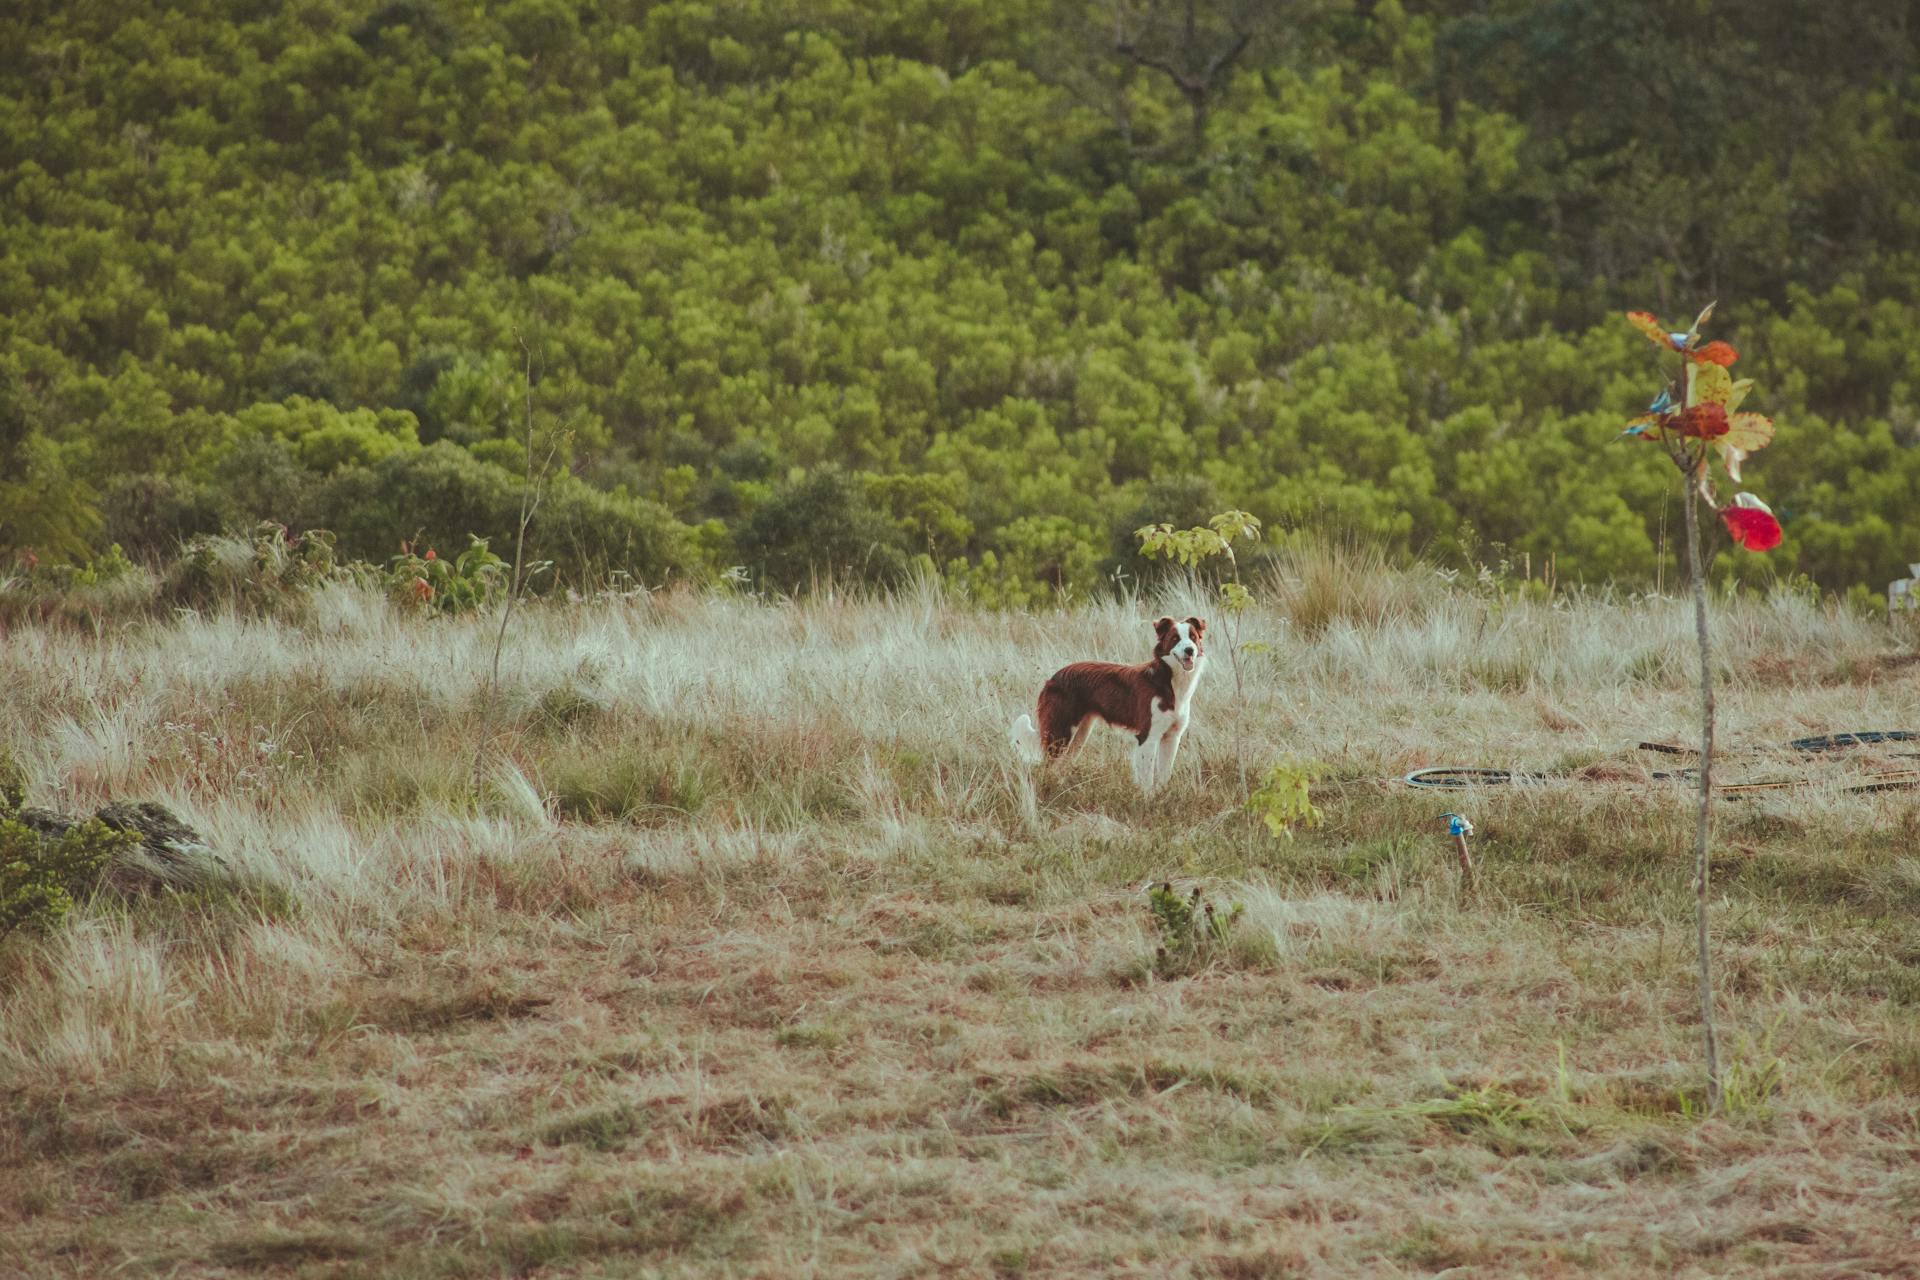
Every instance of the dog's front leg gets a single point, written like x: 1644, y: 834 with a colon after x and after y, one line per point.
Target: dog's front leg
x: 1145, y: 760
x: 1169, y: 748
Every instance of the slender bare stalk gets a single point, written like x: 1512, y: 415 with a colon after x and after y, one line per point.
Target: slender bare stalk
x: 530, y: 496
x: 1239, y: 683
x: 1233, y: 632
x: 1701, y: 864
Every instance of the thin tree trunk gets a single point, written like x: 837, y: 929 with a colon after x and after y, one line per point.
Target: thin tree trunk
x: 1701, y: 864
x: 529, y: 503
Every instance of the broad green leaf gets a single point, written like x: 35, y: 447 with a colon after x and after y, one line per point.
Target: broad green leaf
x: 1708, y: 384
x: 1236, y: 524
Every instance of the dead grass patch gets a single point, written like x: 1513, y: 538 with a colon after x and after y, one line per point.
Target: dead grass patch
x: 764, y: 958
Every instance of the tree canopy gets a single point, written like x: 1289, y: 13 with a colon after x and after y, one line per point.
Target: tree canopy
x: 969, y: 284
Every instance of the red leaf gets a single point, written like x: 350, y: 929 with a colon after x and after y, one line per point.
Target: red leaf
x: 1752, y: 526
x: 1719, y: 353
x: 1705, y: 421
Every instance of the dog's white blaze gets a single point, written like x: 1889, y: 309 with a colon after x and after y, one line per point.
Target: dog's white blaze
x: 1153, y: 758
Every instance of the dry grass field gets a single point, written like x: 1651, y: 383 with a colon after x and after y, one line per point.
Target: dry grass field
x: 728, y: 938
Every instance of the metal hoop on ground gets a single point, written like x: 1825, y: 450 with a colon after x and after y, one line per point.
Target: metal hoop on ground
x: 1451, y: 777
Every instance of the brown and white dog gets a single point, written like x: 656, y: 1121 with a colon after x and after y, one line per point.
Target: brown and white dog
x: 1153, y: 701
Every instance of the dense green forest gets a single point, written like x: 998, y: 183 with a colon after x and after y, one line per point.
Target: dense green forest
x: 981, y: 285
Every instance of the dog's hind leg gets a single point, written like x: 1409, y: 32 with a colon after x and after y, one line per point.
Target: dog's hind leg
x: 1080, y: 734
x: 1059, y: 735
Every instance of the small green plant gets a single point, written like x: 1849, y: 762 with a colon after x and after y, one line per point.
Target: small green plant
x: 110, y: 585
x: 13, y: 785
x: 41, y: 878
x: 1750, y: 1077
x: 1192, y: 932
x: 1492, y: 1115
x: 597, y: 1128
x: 1284, y: 799
x: 430, y: 584
x: 1211, y: 541
x: 109, y: 567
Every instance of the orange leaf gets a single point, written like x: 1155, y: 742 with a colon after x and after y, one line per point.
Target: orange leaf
x: 1719, y: 353
x: 1648, y: 323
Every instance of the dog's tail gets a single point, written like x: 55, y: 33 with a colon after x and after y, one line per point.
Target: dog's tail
x: 1026, y: 740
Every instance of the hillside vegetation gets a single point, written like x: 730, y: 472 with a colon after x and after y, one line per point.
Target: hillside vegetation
x: 835, y: 285
x: 728, y: 939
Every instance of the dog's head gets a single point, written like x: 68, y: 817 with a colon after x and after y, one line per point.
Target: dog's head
x: 1180, y: 644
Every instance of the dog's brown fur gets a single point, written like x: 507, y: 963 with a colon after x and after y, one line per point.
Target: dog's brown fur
x: 1123, y: 695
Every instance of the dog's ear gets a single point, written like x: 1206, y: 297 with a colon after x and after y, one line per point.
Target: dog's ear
x: 1163, y: 626
x: 1198, y: 627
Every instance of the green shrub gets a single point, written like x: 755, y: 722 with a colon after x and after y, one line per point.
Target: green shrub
x: 637, y: 786
x: 1284, y: 797
x: 13, y: 785
x: 821, y: 529
x: 1181, y: 501
x: 262, y: 478
x: 42, y: 878
x: 1192, y: 933
x: 110, y: 585
x: 442, y: 495
x: 439, y: 494
x: 474, y: 579
x: 258, y: 573
x: 152, y: 515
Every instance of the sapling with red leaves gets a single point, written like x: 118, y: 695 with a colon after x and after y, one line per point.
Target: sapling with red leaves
x: 1696, y: 417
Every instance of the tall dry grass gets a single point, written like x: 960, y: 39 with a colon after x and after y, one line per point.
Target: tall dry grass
x: 729, y: 937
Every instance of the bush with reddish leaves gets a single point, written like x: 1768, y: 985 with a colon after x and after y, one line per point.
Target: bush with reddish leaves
x: 426, y: 582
